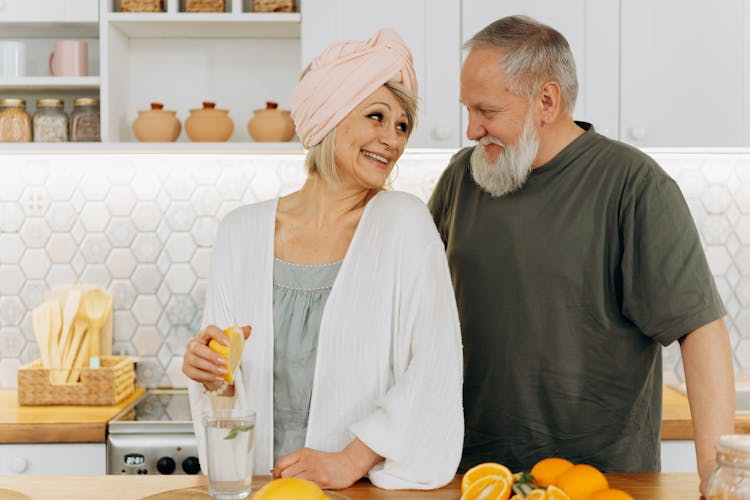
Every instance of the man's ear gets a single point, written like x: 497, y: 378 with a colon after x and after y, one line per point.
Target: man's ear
x: 550, y: 99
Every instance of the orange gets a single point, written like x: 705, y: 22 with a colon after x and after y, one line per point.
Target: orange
x: 555, y: 493
x: 233, y: 351
x: 486, y: 469
x: 546, y: 471
x: 610, y: 494
x: 290, y: 488
x: 581, y: 480
x: 536, y: 495
x: 488, y: 488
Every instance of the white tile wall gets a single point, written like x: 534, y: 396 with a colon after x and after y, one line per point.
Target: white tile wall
x: 142, y: 226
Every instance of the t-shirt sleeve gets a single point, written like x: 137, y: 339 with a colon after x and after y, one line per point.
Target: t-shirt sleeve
x: 441, y: 202
x: 668, y: 288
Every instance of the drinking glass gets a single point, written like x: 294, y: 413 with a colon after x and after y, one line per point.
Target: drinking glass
x: 229, y: 447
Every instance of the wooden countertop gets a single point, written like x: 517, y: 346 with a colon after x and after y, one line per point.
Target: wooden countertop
x: 56, y: 424
x: 641, y: 486
x: 675, y: 418
x: 87, y: 424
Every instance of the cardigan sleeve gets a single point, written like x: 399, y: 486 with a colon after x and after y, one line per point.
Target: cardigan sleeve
x: 217, y: 312
x: 418, y: 425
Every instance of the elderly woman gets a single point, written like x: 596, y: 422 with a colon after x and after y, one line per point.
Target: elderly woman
x: 354, y: 363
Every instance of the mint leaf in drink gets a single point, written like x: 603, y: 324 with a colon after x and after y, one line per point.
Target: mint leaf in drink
x: 236, y: 430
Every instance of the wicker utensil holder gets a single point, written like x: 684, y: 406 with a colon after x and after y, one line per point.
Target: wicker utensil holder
x: 142, y: 5
x: 107, y: 385
x: 273, y: 5
x: 204, y: 5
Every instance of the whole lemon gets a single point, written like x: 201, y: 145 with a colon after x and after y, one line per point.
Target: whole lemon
x: 290, y: 488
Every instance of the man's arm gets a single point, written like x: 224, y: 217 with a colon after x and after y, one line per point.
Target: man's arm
x: 709, y: 376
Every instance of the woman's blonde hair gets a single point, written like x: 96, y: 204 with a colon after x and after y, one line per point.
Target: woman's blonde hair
x: 320, y: 158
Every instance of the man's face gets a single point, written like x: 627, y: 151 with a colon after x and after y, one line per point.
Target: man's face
x: 501, y: 121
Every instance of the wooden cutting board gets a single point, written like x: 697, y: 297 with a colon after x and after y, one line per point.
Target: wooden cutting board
x: 201, y: 493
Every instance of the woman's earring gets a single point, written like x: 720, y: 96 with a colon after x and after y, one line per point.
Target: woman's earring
x: 392, y: 178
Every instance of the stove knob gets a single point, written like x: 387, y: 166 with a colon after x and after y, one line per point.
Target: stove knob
x: 191, y: 466
x: 165, y: 465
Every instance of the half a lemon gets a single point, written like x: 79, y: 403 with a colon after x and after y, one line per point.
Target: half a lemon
x: 233, y: 351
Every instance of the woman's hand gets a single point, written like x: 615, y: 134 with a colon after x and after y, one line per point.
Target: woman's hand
x: 204, y: 365
x: 328, y: 470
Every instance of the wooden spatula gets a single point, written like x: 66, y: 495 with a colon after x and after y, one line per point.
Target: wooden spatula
x: 97, y: 305
x: 40, y: 317
x: 72, y: 301
x: 72, y: 353
x: 55, y: 356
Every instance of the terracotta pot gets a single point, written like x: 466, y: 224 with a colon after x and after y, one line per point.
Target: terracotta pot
x: 209, y: 124
x: 156, y: 125
x: 271, y: 124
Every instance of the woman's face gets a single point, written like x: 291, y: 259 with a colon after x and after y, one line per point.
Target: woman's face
x: 370, y: 140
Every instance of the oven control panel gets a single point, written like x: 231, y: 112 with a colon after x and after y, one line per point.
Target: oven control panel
x: 152, y: 454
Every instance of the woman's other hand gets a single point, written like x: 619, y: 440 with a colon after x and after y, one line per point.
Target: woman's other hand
x: 204, y: 365
x: 328, y: 470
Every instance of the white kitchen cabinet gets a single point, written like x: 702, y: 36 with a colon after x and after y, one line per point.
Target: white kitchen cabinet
x: 46, y: 11
x: 57, y: 458
x: 432, y: 31
x: 684, y: 73
x: 591, y: 28
x: 678, y: 456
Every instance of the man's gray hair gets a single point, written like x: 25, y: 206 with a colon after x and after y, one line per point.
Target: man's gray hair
x: 534, y: 54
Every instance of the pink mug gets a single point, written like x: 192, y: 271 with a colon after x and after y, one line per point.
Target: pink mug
x: 69, y: 58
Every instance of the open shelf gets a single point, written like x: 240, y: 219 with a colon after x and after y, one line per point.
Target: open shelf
x: 206, y: 25
x: 16, y: 30
x: 40, y: 83
x: 151, y: 147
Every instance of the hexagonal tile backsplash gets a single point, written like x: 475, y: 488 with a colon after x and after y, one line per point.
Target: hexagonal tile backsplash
x: 142, y: 226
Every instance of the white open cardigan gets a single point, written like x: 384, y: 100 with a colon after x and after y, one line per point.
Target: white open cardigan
x: 389, y: 361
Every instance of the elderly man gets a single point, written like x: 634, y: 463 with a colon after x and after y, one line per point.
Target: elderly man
x: 574, y: 259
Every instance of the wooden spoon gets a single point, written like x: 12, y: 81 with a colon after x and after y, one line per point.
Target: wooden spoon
x: 97, y: 305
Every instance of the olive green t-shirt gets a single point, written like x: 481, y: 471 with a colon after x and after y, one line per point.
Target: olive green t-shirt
x: 566, y: 291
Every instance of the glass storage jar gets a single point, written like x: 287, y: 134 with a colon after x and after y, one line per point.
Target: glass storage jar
x: 15, y: 122
x: 50, y: 121
x: 731, y: 479
x: 84, y: 120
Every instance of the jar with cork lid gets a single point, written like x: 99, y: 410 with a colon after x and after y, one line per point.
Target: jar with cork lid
x: 85, y: 120
x: 731, y: 479
x: 50, y: 121
x: 15, y: 122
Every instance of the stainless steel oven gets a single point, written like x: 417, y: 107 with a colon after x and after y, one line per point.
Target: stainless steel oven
x: 154, y: 435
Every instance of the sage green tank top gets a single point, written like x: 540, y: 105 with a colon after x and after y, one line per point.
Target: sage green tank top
x: 299, y: 295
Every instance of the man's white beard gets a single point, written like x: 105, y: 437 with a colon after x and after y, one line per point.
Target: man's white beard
x: 512, y: 166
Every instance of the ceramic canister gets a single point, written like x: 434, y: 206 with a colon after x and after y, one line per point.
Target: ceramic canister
x: 209, y: 124
x: 271, y: 124
x: 156, y: 125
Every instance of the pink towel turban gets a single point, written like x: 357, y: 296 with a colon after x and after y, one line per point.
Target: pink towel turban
x: 343, y: 76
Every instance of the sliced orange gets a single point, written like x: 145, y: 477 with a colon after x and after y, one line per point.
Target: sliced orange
x: 536, y: 495
x: 547, y: 470
x: 581, y: 481
x: 488, y: 488
x: 555, y: 493
x: 486, y: 469
x: 233, y: 351
x: 610, y: 494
